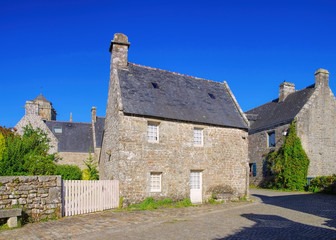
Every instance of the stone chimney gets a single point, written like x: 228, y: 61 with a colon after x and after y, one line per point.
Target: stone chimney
x: 93, y: 114
x: 31, y: 108
x: 322, y: 78
x: 119, y: 50
x: 285, y: 89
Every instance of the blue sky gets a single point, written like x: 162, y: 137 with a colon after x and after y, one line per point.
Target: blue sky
x: 60, y: 48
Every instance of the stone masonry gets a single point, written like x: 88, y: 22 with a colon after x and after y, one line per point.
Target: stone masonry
x: 39, y: 196
x: 222, y: 159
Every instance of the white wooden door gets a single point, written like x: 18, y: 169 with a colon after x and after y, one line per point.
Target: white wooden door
x: 196, y: 187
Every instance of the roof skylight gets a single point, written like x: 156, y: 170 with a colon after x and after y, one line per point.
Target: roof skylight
x: 212, y: 96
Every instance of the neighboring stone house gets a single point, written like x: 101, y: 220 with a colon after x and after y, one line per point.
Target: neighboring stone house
x: 72, y: 140
x: 171, y: 135
x: 314, y: 110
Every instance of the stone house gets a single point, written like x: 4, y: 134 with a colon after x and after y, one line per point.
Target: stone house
x: 72, y: 140
x: 171, y: 135
x: 314, y: 110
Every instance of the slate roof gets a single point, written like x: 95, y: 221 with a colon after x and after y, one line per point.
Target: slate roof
x: 99, y: 130
x: 157, y: 93
x: 75, y: 136
x: 42, y: 98
x: 276, y: 113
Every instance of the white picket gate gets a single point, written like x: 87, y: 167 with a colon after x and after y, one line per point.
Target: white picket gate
x: 81, y: 196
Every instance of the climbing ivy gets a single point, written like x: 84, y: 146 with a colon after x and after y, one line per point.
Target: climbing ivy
x: 290, y: 163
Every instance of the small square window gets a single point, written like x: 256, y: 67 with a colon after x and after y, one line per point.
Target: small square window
x: 271, y: 139
x: 155, y: 182
x: 198, y: 137
x: 153, y: 132
x: 57, y: 129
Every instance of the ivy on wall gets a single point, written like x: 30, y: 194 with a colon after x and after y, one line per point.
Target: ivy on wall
x: 289, y: 164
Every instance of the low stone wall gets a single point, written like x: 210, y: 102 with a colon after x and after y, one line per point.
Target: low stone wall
x: 39, y: 196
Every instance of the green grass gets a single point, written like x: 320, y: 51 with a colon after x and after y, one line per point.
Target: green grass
x: 151, y: 204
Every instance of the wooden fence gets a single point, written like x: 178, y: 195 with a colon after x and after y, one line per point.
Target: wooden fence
x: 80, y: 196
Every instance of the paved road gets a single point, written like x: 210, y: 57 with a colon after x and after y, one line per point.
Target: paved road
x: 273, y: 215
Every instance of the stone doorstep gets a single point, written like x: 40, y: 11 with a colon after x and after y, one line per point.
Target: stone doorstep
x: 12, y: 215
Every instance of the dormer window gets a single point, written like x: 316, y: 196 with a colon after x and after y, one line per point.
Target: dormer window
x: 57, y: 129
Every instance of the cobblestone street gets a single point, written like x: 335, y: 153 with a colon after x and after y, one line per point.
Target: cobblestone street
x: 272, y: 215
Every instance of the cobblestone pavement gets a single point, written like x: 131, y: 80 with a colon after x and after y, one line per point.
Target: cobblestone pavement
x: 272, y: 215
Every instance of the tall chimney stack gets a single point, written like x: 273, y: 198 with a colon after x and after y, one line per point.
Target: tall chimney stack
x: 285, y: 89
x: 322, y: 77
x: 119, y: 50
x: 93, y: 114
x: 31, y: 108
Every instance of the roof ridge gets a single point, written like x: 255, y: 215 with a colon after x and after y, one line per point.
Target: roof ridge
x: 309, y: 86
x: 66, y: 121
x: 180, y: 74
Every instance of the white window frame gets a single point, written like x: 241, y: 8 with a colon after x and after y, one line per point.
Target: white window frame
x: 155, y: 181
x: 56, y: 130
x: 153, y: 132
x: 198, y: 137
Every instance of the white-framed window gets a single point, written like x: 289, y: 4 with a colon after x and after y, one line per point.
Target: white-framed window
x: 57, y: 129
x: 153, y: 132
x: 198, y: 137
x: 155, y: 181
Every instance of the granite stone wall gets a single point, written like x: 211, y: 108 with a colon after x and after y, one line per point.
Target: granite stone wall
x: 317, y: 131
x: 39, y: 196
x: 258, y: 149
x: 77, y: 158
x: 223, y: 159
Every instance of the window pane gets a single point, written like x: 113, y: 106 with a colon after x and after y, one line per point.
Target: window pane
x: 195, y: 180
x: 198, y: 136
x: 155, y: 182
x: 271, y: 139
x: 152, y: 132
x: 57, y: 130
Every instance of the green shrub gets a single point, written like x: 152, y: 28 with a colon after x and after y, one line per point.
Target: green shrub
x: 69, y: 172
x: 289, y: 164
x: 323, y: 184
x: 26, y: 155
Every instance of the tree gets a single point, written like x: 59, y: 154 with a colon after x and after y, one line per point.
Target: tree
x: 290, y: 163
x: 91, y: 171
x: 27, y: 155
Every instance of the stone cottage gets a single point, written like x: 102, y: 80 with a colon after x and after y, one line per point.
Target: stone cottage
x: 171, y: 135
x: 72, y: 140
x: 314, y: 110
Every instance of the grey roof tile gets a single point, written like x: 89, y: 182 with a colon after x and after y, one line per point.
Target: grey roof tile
x: 157, y: 93
x: 75, y: 136
x: 42, y: 98
x: 274, y: 113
